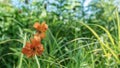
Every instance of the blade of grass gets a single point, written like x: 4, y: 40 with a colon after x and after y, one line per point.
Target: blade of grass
x: 80, y: 47
x: 118, y: 25
x: 108, y: 33
x: 2, y: 42
x: 21, y: 57
x: 37, y: 61
x: 103, y: 45
x: 111, y: 39
x: 55, y: 41
x: 96, y: 35
x: 76, y: 39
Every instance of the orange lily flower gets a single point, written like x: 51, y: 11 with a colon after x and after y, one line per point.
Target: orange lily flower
x: 33, y: 48
x: 40, y: 27
x: 39, y: 36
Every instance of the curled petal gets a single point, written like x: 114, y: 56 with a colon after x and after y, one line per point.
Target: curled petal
x: 40, y: 49
x: 27, y: 52
x: 40, y: 27
x: 33, y: 48
x: 37, y: 25
x: 37, y: 37
x: 28, y: 45
x: 44, y: 27
x: 42, y: 35
x: 34, y: 42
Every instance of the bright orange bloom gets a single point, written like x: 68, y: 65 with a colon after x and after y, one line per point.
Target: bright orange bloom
x: 33, y: 48
x: 42, y: 35
x: 40, y: 27
x: 36, y: 25
x: 39, y: 36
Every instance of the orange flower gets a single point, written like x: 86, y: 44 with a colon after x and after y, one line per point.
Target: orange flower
x: 42, y: 35
x: 40, y: 27
x: 36, y: 25
x: 33, y: 48
x: 39, y: 36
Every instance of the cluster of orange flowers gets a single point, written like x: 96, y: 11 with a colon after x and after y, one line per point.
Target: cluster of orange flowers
x: 34, y: 47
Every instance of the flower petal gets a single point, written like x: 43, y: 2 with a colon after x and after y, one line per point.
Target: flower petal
x: 40, y: 49
x: 37, y: 25
x: 42, y: 35
x: 44, y: 27
x: 37, y: 37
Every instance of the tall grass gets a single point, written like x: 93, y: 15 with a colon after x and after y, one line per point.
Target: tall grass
x: 74, y: 44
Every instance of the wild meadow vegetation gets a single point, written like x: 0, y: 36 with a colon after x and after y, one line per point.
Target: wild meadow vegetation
x: 79, y: 35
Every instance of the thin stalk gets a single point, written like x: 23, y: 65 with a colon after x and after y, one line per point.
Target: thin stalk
x: 2, y: 42
x: 37, y: 61
x: 118, y: 24
x: 21, y: 57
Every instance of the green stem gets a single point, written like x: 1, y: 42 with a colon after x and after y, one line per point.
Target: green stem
x: 2, y: 42
x: 21, y: 57
x: 118, y: 24
x: 37, y: 61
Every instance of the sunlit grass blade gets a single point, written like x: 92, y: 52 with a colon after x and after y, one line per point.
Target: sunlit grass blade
x: 111, y: 39
x: 21, y: 56
x: 103, y: 45
x: 118, y: 26
x: 9, y: 40
x: 96, y: 35
x: 108, y: 33
x: 37, y: 61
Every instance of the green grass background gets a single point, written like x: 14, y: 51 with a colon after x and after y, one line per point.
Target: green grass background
x: 75, y: 38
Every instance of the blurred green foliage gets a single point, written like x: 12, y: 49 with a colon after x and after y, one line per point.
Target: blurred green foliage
x: 62, y: 17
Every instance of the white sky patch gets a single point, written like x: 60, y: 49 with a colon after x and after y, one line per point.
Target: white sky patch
x: 87, y: 2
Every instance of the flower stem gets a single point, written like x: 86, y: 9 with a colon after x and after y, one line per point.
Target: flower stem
x: 37, y: 61
x: 21, y: 57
